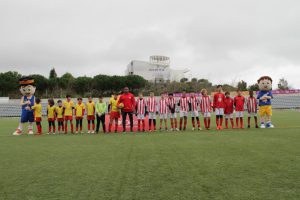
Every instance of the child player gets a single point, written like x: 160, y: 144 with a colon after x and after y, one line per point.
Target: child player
x: 59, y: 110
x: 51, y: 116
x: 183, y: 110
x: 68, y: 113
x: 252, y: 108
x: 218, y: 105
x: 172, y: 112
x: 205, y: 108
x: 152, y: 109
x: 114, y: 112
x: 38, y: 115
x: 228, y: 111
x: 194, y: 112
x: 100, y: 113
x: 239, y: 102
x: 90, y: 112
x: 163, y: 111
x: 140, y: 111
x: 79, y: 113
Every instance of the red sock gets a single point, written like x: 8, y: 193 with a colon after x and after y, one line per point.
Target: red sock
x: 175, y: 120
x: 93, y: 126
x: 205, y: 122
x: 58, y: 128
x: 63, y: 127
x: 143, y: 123
x: 66, y: 127
x: 54, y: 129
x: 180, y: 123
x: 139, y: 124
x: 39, y: 128
x: 109, y: 127
x: 49, y: 129
x: 226, y: 123
x: 116, y: 126
x: 242, y: 122
x: 221, y: 121
x: 208, y: 122
x: 172, y: 124
x: 217, y: 121
x: 198, y: 122
x: 231, y: 121
x: 193, y: 122
x: 237, y: 122
x: 72, y: 127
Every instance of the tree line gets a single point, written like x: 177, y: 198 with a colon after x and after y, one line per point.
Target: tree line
x: 83, y: 86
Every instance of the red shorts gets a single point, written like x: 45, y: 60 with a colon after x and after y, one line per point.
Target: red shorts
x: 90, y: 117
x: 114, y: 115
x: 60, y: 119
x: 68, y: 118
x: 38, y: 119
x: 51, y: 119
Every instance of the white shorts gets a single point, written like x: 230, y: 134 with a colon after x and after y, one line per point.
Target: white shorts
x: 206, y: 114
x: 183, y: 113
x: 252, y: 114
x: 229, y: 116
x: 172, y: 115
x: 239, y: 114
x: 140, y: 116
x: 194, y: 113
x: 152, y: 115
x: 219, y: 111
x: 163, y: 116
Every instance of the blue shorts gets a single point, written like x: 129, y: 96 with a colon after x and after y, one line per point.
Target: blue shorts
x: 27, y: 116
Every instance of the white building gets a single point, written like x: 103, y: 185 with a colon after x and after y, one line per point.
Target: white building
x: 157, y: 69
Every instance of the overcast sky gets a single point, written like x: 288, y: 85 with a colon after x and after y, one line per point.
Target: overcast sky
x: 224, y: 41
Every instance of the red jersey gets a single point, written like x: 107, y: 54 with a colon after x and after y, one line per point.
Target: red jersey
x: 252, y: 105
x: 184, y: 103
x: 140, y: 106
x: 228, y: 105
x: 151, y: 104
x: 128, y: 100
x: 219, y: 99
x: 193, y: 102
x: 205, y: 104
x: 163, y: 106
x: 172, y: 104
x: 239, y: 102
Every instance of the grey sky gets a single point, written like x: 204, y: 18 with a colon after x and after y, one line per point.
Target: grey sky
x: 224, y: 41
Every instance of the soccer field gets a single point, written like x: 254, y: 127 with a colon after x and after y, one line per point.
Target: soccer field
x: 231, y: 164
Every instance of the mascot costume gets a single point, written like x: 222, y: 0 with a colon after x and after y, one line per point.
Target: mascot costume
x: 27, y: 89
x: 264, y: 96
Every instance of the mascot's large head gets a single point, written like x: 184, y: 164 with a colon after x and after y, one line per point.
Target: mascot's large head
x: 265, y: 83
x: 27, y: 86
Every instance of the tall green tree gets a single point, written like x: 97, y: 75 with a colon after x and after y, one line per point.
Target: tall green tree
x: 9, y: 83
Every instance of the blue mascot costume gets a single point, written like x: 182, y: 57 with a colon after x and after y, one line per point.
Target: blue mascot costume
x: 27, y: 90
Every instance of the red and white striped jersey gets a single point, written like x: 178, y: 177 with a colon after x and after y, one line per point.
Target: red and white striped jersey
x: 184, y: 103
x: 205, y: 104
x: 194, y: 102
x: 140, y: 106
x: 163, y: 106
x: 172, y: 104
x: 151, y: 104
x: 252, y: 105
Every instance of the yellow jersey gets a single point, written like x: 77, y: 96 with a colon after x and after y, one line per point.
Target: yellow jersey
x: 90, y: 107
x: 51, y: 111
x: 59, y: 111
x: 79, y: 108
x: 68, y: 105
x: 113, y: 104
x: 37, y: 110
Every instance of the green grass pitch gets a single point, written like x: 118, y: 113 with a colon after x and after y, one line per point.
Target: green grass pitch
x: 231, y: 164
